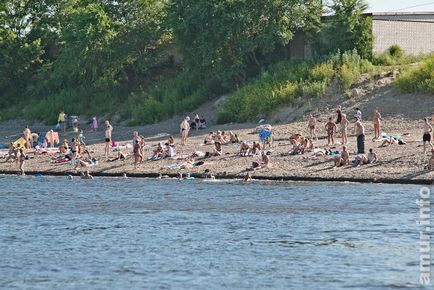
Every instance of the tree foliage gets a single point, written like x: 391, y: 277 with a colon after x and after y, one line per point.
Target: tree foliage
x: 346, y: 29
x: 222, y: 36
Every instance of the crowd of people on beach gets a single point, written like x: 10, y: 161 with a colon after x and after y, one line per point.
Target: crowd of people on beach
x: 77, y: 154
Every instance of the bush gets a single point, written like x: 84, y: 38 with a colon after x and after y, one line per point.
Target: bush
x: 283, y: 82
x: 420, y: 79
x: 395, y: 51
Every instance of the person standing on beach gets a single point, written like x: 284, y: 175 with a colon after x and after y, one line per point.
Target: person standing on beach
x: 358, y: 115
x: 377, y: 124
x: 94, y: 126
x: 28, y: 137
x: 427, y: 130
x: 184, y: 129
x: 21, y: 159
x: 108, y: 138
x: 311, y: 125
x: 330, y: 128
x: 197, y: 121
x: 344, y: 126
x: 61, y: 121
x: 360, y: 133
x: 338, y: 118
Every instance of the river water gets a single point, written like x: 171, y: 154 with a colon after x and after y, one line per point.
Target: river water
x: 112, y: 233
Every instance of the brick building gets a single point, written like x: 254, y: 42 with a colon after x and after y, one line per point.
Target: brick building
x: 413, y: 32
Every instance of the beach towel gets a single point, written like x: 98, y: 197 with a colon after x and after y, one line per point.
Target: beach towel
x: 52, y: 137
x: 20, y: 143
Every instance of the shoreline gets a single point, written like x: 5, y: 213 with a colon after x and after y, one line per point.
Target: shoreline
x: 235, y: 177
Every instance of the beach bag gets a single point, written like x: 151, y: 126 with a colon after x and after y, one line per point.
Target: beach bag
x: 57, y: 126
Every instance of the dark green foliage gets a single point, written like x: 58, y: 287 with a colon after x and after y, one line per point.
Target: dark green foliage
x: 346, y: 29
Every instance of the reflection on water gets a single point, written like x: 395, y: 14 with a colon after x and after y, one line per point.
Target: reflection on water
x: 139, y: 233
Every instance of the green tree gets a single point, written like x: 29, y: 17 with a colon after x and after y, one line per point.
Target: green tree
x: 346, y: 29
x: 220, y: 37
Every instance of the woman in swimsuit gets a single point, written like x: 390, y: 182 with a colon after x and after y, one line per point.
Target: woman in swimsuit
x: 377, y: 124
x: 197, y: 121
x: 330, y: 128
x: 344, y: 126
x: 184, y: 129
x: 21, y: 159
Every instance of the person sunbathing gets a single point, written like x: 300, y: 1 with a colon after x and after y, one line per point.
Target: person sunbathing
x: 244, y: 149
x: 362, y: 159
x: 12, y: 153
x: 64, y: 147
x: 171, y: 141
x: 219, y: 137
x: 121, y: 156
x: 168, y: 151
x: 209, y: 139
x: 306, y: 145
x: 158, y: 152
x: 389, y: 141
x: 218, y: 149
x: 256, y: 148
x: 233, y: 138
x: 344, y: 159
x: 265, y: 162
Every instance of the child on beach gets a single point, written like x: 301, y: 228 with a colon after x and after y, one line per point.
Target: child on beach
x: 94, y: 125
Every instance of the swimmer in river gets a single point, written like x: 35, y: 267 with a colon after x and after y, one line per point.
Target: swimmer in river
x: 86, y: 175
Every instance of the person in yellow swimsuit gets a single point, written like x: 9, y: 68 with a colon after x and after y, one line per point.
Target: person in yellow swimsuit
x: 61, y: 121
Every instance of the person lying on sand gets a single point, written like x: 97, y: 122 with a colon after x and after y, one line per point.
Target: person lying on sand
x: 389, y: 141
x: 244, y: 149
x: 362, y: 159
x: 265, y: 162
x: 121, y: 156
x: 344, y: 159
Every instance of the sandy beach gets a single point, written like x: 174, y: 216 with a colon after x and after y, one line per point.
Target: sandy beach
x: 397, y: 163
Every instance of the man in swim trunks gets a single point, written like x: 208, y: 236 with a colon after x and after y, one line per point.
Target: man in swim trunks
x: 311, y: 123
x: 360, y: 133
x: 427, y: 130
x: 108, y: 137
x: 184, y: 129
x: 330, y: 128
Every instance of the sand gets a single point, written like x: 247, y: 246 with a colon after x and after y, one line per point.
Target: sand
x: 397, y: 163
x: 402, y: 113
